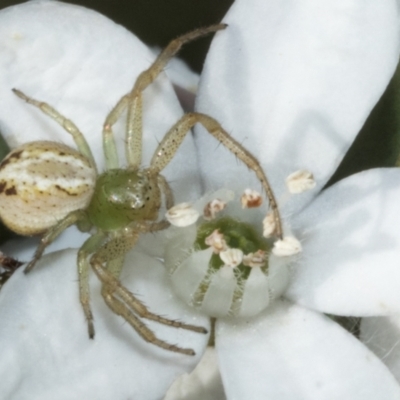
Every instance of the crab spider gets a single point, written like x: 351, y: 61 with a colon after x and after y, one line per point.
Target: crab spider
x: 120, y: 203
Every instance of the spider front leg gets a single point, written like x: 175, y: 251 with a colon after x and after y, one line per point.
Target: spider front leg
x: 133, y: 101
x: 122, y: 302
x: 65, y: 123
x: 174, y: 137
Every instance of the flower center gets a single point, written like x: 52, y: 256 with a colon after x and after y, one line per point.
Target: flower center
x: 236, y: 235
x: 227, y: 270
x: 222, y: 266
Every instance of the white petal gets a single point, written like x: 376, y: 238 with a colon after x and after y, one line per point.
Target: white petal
x: 255, y: 293
x: 293, y: 353
x: 24, y: 248
x: 204, y: 383
x: 46, y: 352
x: 82, y: 64
x: 351, y: 247
x: 218, y: 299
x: 294, y: 82
x: 189, y: 274
x: 382, y: 336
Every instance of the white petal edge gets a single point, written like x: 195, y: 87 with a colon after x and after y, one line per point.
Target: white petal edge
x: 382, y: 336
x: 204, y: 383
x: 294, y: 82
x: 351, y: 247
x: 293, y: 353
x: 46, y: 352
x: 82, y: 63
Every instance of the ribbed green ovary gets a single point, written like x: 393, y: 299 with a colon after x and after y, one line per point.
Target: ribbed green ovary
x: 123, y: 196
x: 237, y: 234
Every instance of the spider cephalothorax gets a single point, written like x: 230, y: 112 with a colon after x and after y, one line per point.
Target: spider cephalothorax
x: 122, y: 196
x: 122, y: 202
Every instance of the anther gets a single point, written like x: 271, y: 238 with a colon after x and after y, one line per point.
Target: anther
x: 212, y: 208
x: 251, y: 199
x: 231, y: 257
x: 288, y: 246
x: 182, y: 215
x: 216, y: 241
x: 300, y: 181
x: 269, y: 225
x: 256, y: 259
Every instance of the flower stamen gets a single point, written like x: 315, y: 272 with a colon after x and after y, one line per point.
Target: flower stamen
x: 269, y: 225
x: 300, y: 181
x: 231, y: 257
x: 212, y: 208
x: 182, y: 215
x: 256, y: 259
x: 251, y: 199
x: 217, y: 241
x: 288, y: 246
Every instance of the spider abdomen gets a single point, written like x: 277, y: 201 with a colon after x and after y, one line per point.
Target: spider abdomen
x: 40, y: 183
x: 122, y: 196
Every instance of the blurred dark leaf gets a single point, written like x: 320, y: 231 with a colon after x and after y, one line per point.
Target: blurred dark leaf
x: 378, y: 143
x: 5, y: 234
x: 4, y: 149
x: 351, y: 324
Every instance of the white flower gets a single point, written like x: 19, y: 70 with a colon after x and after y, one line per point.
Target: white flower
x: 294, y: 79
x: 292, y: 82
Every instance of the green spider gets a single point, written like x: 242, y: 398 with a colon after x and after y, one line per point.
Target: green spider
x: 120, y: 203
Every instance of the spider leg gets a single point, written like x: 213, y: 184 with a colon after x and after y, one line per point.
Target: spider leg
x: 114, y: 267
x: 70, y: 219
x: 67, y: 124
x: 119, y: 308
x: 133, y: 101
x: 134, y: 121
x: 166, y: 189
x: 173, y: 139
x: 121, y: 301
x: 134, y: 129
x: 132, y: 302
x: 90, y: 246
x: 109, y: 146
x: 149, y: 75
